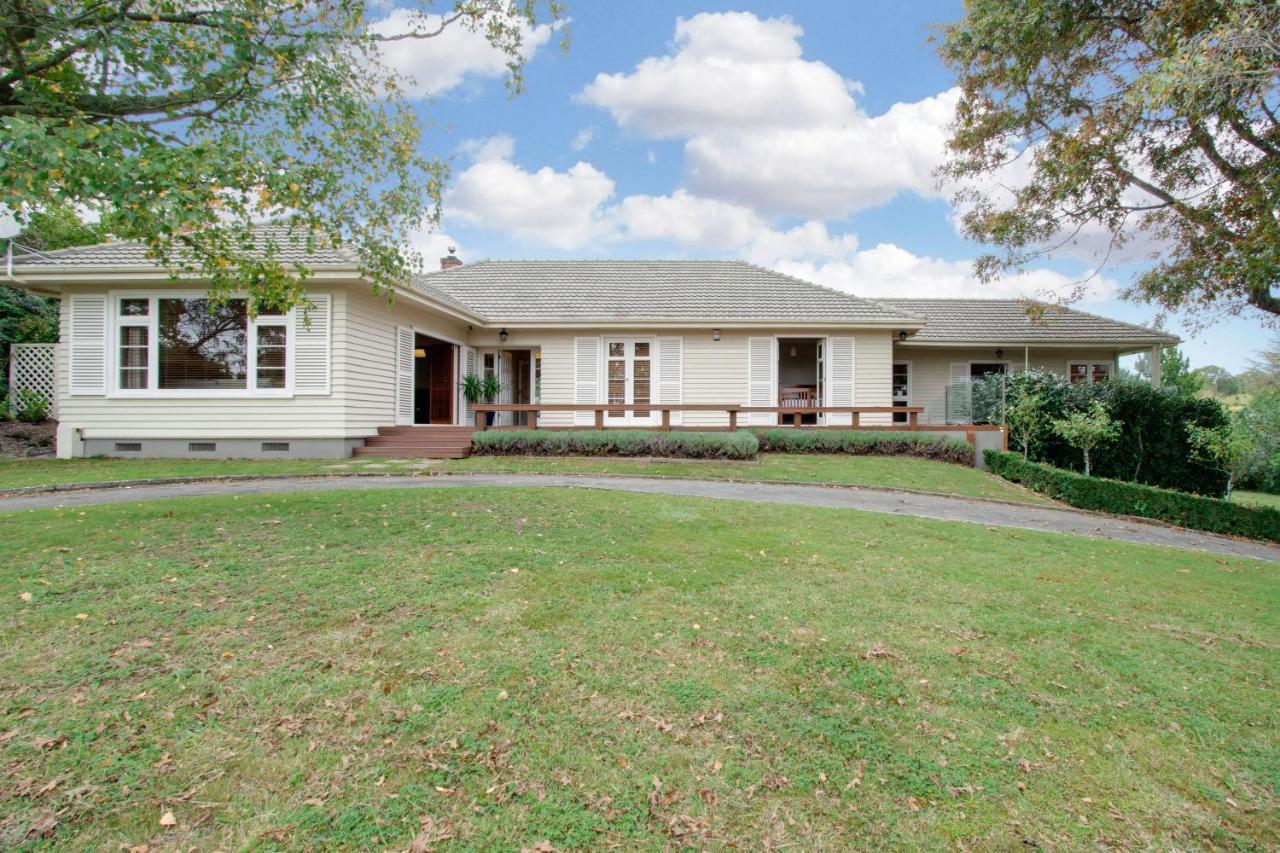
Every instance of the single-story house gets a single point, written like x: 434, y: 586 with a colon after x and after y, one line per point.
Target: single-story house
x: 144, y: 368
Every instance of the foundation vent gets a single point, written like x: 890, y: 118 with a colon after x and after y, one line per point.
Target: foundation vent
x: 128, y: 446
x: 201, y: 446
x: 275, y: 447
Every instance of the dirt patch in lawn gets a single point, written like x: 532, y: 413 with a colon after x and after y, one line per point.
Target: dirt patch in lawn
x: 27, y: 441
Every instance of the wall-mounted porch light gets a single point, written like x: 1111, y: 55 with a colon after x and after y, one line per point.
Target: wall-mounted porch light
x: 902, y: 337
x: 419, y: 353
x: 715, y: 334
x: 999, y: 354
x: 503, y: 335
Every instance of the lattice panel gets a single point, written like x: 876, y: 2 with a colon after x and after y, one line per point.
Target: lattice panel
x: 31, y: 367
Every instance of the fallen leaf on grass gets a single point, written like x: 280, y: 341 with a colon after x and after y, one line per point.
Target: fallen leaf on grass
x: 25, y: 596
x: 167, y: 819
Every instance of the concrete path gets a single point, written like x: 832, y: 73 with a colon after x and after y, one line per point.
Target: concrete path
x: 942, y: 507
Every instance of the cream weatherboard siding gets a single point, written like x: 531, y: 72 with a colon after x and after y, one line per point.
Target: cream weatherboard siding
x: 360, y: 398
x: 872, y: 374
x: 931, y: 369
x: 364, y: 353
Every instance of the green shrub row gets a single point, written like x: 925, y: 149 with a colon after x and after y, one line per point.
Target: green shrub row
x: 942, y: 448
x: 1185, y: 510
x: 684, y: 445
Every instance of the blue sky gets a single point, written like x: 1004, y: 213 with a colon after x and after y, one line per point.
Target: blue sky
x: 801, y: 136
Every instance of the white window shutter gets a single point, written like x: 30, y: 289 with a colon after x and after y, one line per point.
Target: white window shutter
x: 468, y: 369
x: 586, y: 376
x: 839, y: 379
x: 762, y: 385
x: 88, y: 361
x: 312, y: 349
x: 959, y: 394
x: 671, y: 374
x: 404, y: 376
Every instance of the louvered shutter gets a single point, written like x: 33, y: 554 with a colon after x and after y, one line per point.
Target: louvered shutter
x: 88, y: 353
x: 312, y: 350
x: 586, y: 376
x: 404, y: 376
x: 468, y: 369
x: 839, y: 379
x: 762, y: 385
x: 959, y: 394
x: 671, y: 374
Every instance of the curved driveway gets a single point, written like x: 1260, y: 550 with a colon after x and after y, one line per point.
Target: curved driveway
x: 942, y: 507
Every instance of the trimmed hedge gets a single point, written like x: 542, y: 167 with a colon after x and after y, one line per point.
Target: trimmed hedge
x: 942, y: 448
x: 682, y: 445
x: 1114, y: 496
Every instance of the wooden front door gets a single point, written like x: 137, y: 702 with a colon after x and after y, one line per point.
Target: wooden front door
x: 440, y: 394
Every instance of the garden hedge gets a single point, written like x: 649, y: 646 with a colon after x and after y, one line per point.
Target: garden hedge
x: 682, y: 445
x: 1096, y: 493
x: 942, y: 448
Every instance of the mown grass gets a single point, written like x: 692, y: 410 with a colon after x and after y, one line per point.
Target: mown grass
x: 892, y: 472
x: 500, y: 667
x: 1256, y: 498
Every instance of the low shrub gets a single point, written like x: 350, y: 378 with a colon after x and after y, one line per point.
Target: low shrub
x: 32, y: 408
x: 683, y: 445
x: 1114, y: 496
x: 943, y: 448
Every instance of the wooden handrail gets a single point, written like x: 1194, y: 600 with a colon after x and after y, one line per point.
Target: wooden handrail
x: 731, y: 409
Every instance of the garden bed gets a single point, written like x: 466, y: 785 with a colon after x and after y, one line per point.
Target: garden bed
x: 28, y: 441
x: 1119, y: 498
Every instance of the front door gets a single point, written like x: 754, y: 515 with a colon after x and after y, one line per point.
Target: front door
x: 440, y: 383
x: 629, y: 373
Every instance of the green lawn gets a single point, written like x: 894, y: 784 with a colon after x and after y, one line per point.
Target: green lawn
x: 501, y: 667
x: 1256, y: 498
x: 904, y: 473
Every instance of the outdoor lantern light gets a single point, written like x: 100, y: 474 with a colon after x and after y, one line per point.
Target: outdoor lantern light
x: 419, y: 353
x: 902, y: 337
x: 999, y: 353
x: 793, y: 350
x: 502, y: 336
x: 715, y: 334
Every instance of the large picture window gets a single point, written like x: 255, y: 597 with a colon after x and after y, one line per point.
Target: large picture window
x: 185, y: 345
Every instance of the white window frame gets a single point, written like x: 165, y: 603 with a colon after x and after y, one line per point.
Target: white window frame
x: 893, y: 400
x: 1090, y: 365
x: 629, y: 417
x: 153, y: 391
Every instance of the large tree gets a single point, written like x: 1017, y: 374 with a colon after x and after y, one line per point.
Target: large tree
x: 194, y: 119
x: 1157, y: 119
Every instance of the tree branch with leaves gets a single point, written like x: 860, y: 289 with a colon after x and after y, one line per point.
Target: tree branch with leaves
x: 1154, y: 118
x: 193, y: 121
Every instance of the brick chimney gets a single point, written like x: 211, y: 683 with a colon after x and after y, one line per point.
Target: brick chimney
x: 451, y: 260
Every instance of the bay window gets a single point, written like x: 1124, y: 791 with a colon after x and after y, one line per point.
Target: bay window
x: 184, y: 345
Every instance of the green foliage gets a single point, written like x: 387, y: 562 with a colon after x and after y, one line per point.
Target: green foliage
x: 490, y: 387
x: 59, y: 226
x: 32, y: 407
x: 472, y: 388
x: 687, y: 445
x: 1113, y: 496
x: 867, y: 443
x: 1264, y: 370
x: 191, y: 122
x: 1261, y: 419
x: 1153, y: 445
x: 1230, y: 449
x: 1121, y: 114
x: 1088, y: 430
x: 1175, y: 370
x: 1218, y: 380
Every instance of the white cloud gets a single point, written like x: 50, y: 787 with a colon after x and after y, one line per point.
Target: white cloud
x: 583, y: 138
x: 767, y: 128
x: 562, y: 210
x: 433, y: 66
x: 887, y: 270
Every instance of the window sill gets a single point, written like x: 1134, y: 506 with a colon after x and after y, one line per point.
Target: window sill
x: 200, y: 395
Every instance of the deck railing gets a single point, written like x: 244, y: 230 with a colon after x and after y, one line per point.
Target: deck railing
x: 601, y: 410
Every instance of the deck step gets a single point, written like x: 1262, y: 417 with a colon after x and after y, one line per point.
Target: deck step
x: 421, y: 442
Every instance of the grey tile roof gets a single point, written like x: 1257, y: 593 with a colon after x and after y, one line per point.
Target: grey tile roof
x: 1007, y: 321
x: 290, y: 248
x: 642, y: 291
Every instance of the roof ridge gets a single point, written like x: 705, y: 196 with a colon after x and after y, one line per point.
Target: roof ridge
x: 814, y: 284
